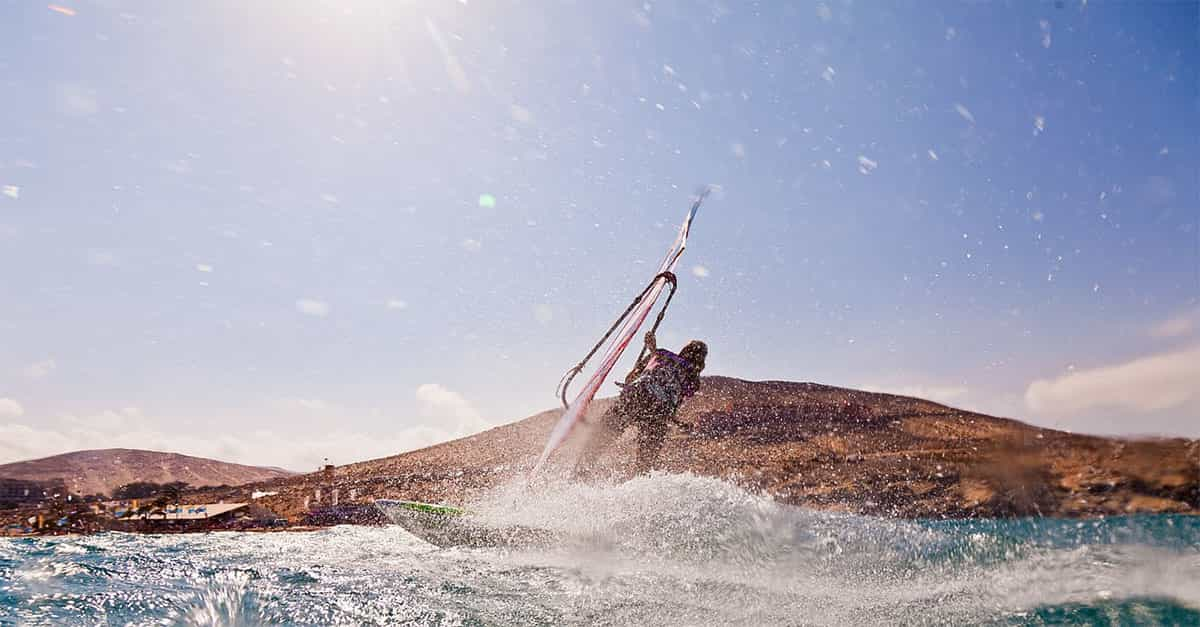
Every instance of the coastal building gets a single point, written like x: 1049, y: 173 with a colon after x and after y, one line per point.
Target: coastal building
x: 205, y: 516
x: 210, y: 511
x: 188, y: 517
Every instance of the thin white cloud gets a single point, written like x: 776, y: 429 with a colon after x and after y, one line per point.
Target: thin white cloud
x: 396, y: 303
x: 944, y: 394
x: 40, y: 369
x: 10, y: 408
x: 302, y: 404
x: 543, y: 313
x: 109, y: 420
x: 1177, y: 326
x: 472, y: 245
x: 329, y: 433
x: 300, y: 452
x: 313, y: 307
x: 450, y: 408
x: 699, y: 271
x: 1148, y: 384
x: 203, y: 267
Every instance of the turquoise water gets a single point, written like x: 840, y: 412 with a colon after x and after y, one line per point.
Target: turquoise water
x: 658, y: 550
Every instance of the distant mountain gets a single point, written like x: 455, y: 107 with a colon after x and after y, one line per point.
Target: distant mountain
x: 814, y: 446
x: 100, y: 471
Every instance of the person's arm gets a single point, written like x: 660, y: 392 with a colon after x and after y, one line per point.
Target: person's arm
x: 651, y: 344
x: 638, y: 368
x: 651, y: 348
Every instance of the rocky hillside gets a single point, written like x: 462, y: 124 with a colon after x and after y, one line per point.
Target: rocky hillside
x: 821, y: 447
x: 100, y: 471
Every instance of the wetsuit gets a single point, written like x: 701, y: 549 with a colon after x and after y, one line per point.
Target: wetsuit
x: 649, y: 401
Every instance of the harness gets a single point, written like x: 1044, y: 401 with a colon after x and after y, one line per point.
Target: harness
x: 666, y: 378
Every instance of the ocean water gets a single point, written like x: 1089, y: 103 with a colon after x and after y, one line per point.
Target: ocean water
x: 665, y: 549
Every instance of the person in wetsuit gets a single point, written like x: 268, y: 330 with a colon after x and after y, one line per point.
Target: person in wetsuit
x: 649, y: 398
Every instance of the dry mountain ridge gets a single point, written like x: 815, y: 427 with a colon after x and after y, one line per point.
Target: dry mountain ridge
x: 822, y: 447
x: 102, y: 470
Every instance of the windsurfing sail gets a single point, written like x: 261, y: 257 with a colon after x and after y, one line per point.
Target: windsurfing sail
x: 629, y: 324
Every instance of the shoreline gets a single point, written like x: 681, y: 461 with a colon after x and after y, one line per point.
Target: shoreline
x: 918, y: 520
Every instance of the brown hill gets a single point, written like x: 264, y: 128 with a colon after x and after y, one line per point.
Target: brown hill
x: 100, y: 471
x: 821, y: 447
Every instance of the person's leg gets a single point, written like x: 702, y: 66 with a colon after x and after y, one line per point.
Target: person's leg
x: 651, y: 433
x: 607, y: 430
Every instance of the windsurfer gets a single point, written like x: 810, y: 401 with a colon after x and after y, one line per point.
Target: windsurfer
x: 649, y: 398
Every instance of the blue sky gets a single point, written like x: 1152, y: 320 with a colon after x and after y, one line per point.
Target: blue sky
x: 289, y: 230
